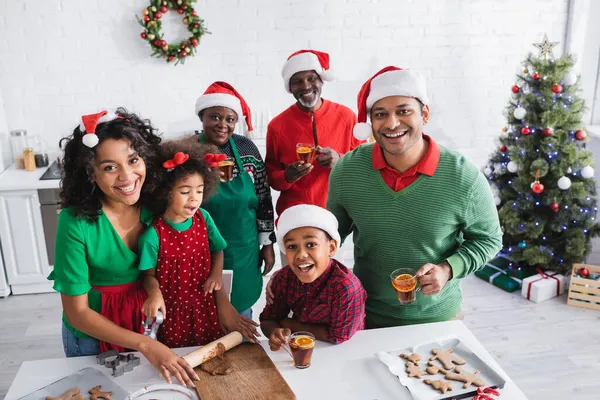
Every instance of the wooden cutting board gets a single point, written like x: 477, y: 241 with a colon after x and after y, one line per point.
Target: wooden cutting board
x: 253, y: 376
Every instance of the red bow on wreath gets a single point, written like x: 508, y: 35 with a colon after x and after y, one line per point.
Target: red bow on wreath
x: 214, y: 159
x: 486, y: 393
x: 178, y: 159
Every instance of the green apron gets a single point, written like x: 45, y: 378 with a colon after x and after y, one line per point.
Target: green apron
x: 233, y: 209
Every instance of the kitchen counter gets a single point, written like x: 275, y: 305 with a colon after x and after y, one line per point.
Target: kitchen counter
x: 345, y: 371
x: 19, y: 179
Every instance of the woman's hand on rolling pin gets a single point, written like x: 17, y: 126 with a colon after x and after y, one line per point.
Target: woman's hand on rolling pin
x: 231, y: 321
x: 168, y: 363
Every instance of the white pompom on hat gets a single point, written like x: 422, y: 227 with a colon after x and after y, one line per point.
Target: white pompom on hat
x: 90, y: 122
x: 222, y: 94
x: 390, y: 81
x: 306, y: 60
x: 306, y: 215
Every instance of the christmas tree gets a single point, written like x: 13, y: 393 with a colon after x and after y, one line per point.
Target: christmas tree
x: 542, y: 173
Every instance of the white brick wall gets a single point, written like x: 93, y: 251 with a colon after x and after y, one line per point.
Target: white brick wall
x: 60, y: 59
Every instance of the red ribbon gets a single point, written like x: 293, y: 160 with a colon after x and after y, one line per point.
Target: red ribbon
x: 214, y: 159
x: 486, y: 393
x: 178, y: 159
x: 544, y: 276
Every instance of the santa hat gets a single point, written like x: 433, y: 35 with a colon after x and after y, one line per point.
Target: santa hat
x: 390, y: 81
x: 305, y: 215
x: 222, y: 94
x: 90, y: 122
x: 306, y: 60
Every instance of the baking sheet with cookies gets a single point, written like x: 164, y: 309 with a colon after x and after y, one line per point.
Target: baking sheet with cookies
x: 85, y: 379
x: 460, y: 351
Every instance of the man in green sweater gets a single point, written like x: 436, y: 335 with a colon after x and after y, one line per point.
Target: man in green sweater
x: 410, y: 203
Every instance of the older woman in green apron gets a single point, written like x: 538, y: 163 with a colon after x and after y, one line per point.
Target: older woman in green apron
x: 242, y: 208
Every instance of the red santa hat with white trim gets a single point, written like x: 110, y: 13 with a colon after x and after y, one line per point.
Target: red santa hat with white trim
x: 222, y: 94
x: 90, y: 122
x: 390, y: 81
x: 306, y: 60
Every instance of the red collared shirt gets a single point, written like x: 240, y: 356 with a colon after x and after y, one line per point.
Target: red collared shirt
x: 336, y: 299
x: 397, y: 180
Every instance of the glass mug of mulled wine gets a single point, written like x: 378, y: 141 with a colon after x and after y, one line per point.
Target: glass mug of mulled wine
x: 226, y: 167
x: 406, y: 284
x: 305, y: 152
x: 302, y: 345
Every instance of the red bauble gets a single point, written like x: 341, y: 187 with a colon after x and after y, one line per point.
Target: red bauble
x: 196, y: 26
x: 146, y: 18
x: 503, y: 148
x: 194, y: 42
x: 537, y: 188
x: 158, y: 43
x: 143, y: 35
x: 554, y: 207
x: 580, y: 134
x: 182, y: 54
x: 525, y: 130
x: 547, y: 131
x: 515, y: 89
x: 535, y: 76
x: 583, y: 272
x: 171, y: 58
x: 164, y: 9
x: 557, y: 88
x: 194, y: 13
x: 180, y: 11
x: 158, y: 15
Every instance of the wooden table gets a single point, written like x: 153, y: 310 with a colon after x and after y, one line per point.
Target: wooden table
x: 345, y: 371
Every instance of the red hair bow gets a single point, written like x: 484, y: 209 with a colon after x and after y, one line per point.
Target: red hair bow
x: 178, y: 159
x: 214, y: 159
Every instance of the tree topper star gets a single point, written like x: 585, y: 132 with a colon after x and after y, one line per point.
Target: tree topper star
x: 545, y: 48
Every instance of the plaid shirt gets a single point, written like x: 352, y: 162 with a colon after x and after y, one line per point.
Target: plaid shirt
x: 336, y: 299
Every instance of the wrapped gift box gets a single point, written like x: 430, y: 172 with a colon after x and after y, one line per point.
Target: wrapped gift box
x: 511, y: 268
x: 542, y: 287
x: 501, y: 272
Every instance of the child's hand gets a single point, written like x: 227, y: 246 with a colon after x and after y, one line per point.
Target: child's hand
x: 213, y: 283
x: 279, y: 338
x: 153, y: 304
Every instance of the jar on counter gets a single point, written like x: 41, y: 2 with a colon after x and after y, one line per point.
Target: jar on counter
x: 29, y: 159
x: 18, y: 143
x: 40, y: 153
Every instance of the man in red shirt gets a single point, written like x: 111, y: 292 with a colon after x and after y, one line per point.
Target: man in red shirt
x: 325, y: 125
x: 326, y: 298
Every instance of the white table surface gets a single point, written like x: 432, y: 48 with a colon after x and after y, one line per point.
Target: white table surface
x: 345, y: 371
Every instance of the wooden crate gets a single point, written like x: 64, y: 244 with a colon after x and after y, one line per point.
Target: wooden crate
x: 584, y: 289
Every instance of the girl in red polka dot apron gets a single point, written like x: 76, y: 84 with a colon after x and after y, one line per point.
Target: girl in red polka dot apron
x: 184, y: 264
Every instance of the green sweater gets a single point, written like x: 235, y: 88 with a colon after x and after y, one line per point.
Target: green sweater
x: 448, y: 216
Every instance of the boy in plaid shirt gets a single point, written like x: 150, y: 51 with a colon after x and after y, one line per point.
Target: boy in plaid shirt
x: 325, y: 297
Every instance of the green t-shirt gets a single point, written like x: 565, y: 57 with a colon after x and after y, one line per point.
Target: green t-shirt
x: 91, y: 253
x: 149, y: 246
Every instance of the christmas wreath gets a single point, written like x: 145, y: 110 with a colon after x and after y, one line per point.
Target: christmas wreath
x: 151, y: 21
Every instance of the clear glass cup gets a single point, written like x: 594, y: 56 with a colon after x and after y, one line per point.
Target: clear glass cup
x: 406, y: 284
x: 301, y: 346
x: 305, y: 152
x: 226, y: 167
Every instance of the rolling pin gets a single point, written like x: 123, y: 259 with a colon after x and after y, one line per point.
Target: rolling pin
x: 209, y: 351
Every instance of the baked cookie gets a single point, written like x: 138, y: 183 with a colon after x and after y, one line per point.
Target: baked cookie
x: 414, y: 370
x: 71, y: 394
x: 413, y: 358
x: 442, y: 386
x: 433, y: 369
x: 446, y: 358
x: 97, y: 394
x: 468, y: 378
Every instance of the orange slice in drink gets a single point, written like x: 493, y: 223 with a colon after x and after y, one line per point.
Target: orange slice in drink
x: 304, y: 341
x: 404, y: 283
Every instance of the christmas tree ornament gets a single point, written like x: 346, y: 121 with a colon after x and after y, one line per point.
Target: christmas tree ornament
x: 152, y: 22
x: 504, y: 129
x: 580, y: 134
x: 536, y: 186
x: 522, y: 245
x: 569, y: 170
x: 488, y: 171
x: 554, y: 207
x: 519, y: 113
x: 570, y: 78
x: 512, y: 167
x: 557, y: 88
x: 545, y: 48
x: 535, y: 76
x: 584, y: 272
x: 515, y: 89
x: 497, y: 201
x: 587, y: 172
x: 503, y: 148
x: 547, y: 132
x: 525, y: 130
x: 564, y: 183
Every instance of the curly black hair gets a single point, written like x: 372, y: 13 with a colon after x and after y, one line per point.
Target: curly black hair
x: 77, y: 189
x: 194, y: 164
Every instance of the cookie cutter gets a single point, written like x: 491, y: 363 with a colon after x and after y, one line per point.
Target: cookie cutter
x: 119, y: 363
x: 151, y: 325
